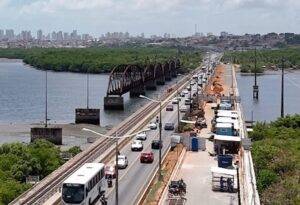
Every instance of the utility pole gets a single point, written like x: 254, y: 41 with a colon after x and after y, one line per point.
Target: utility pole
x: 87, y: 89
x: 178, y: 113
x: 282, y: 87
x: 255, y: 86
x: 160, y: 143
x: 46, y: 99
x: 190, y: 98
x: 117, y: 171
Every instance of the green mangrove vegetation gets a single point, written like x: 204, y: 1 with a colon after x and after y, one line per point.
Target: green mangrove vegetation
x: 266, y: 59
x: 18, y: 161
x: 98, y: 60
x: 276, y: 156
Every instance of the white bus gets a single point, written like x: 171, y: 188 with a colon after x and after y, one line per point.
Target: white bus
x: 84, y: 185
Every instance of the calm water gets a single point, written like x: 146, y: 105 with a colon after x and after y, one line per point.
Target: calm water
x: 267, y: 108
x: 22, y: 95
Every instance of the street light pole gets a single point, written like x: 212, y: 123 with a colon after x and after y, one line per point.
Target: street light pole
x: 190, y: 98
x: 178, y: 114
x: 160, y: 142
x: 282, y: 88
x: 87, y: 89
x: 117, y: 170
x: 46, y: 100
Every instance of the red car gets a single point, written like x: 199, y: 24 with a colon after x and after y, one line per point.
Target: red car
x: 110, y: 171
x: 147, y: 157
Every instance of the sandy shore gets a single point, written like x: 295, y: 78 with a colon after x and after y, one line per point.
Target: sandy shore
x: 72, y: 133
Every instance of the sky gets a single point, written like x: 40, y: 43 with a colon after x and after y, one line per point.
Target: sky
x: 151, y: 16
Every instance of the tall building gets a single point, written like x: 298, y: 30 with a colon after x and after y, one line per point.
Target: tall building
x: 66, y: 36
x: 59, y: 36
x: 1, y: 34
x: 26, y: 35
x: 39, y: 35
x: 9, y: 34
x: 53, y: 36
x: 74, y: 35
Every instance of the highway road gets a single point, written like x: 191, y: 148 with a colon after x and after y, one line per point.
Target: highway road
x: 133, y: 179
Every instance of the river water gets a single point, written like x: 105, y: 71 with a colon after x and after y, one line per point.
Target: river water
x: 267, y: 108
x: 22, y: 95
x: 22, y: 91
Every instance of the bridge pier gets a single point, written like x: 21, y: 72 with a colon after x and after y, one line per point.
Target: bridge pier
x: 168, y: 77
x: 113, y: 103
x: 160, y: 81
x: 137, y: 91
x: 87, y: 115
x: 51, y: 134
x: 174, y: 74
x: 150, y: 85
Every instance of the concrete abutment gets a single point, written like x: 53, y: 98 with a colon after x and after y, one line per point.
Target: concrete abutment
x: 113, y: 103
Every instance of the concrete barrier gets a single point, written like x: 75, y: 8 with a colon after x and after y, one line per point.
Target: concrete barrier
x: 53, y: 135
x: 113, y: 103
x: 87, y: 116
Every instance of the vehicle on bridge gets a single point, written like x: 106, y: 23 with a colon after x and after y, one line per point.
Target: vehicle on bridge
x: 141, y: 136
x: 110, y: 171
x: 122, y: 161
x: 169, y: 126
x: 153, y: 126
x: 183, y: 108
x: 84, y: 185
x: 137, y: 145
x: 169, y: 108
x: 156, y: 144
x: 147, y: 157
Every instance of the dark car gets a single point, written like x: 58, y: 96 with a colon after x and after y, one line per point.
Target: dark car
x: 147, y: 157
x: 169, y: 108
x: 169, y: 126
x: 155, y: 144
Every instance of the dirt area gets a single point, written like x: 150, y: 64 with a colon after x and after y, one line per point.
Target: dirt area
x: 216, y: 85
x: 157, y: 187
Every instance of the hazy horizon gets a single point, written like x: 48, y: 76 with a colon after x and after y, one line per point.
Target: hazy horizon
x: 152, y: 17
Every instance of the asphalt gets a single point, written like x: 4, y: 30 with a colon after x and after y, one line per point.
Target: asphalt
x: 133, y: 179
x: 195, y: 168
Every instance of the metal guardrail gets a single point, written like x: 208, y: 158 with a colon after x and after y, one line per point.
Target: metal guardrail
x: 250, y: 194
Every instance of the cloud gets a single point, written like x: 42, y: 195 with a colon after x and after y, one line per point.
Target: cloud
x: 3, y: 3
x: 60, y: 5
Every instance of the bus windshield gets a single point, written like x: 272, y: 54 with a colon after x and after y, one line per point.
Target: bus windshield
x: 73, y: 193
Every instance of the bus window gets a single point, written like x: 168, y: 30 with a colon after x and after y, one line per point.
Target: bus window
x: 73, y: 193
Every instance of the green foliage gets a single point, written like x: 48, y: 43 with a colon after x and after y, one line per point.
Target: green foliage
x: 265, y: 59
x: 17, y: 161
x: 276, y: 155
x: 74, y: 150
x: 97, y: 60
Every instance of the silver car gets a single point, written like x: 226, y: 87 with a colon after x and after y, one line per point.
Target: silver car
x: 122, y: 161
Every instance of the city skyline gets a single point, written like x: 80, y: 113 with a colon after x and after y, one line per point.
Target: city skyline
x: 156, y: 17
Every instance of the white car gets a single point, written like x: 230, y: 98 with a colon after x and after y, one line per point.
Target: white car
x: 185, y: 92
x: 175, y: 101
x: 153, y: 126
x: 137, y: 145
x: 141, y: 136
x: 122, y: 161
x: 183, y: 108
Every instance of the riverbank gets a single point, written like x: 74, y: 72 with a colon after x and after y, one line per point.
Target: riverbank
x: 99, y: 60
x: 72, y: 133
